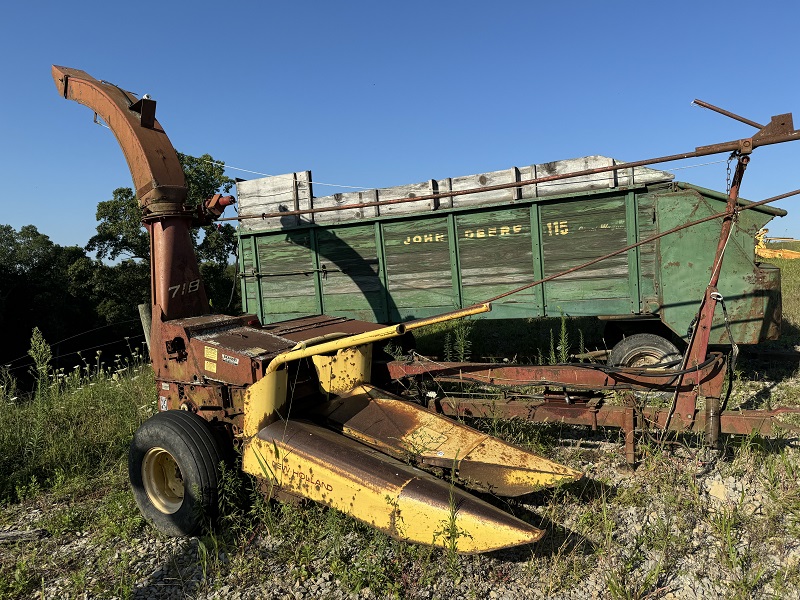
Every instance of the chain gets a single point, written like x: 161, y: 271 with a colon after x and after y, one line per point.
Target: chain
x: 728, y: 175
x: 734, y: 356
x: 735, y: 154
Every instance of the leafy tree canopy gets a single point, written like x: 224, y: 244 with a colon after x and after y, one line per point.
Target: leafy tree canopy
x: 78, y: 302
x: 41, y: 284
x: 120, y: 233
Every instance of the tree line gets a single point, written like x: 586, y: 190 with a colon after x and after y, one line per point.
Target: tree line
x: 89, y: 303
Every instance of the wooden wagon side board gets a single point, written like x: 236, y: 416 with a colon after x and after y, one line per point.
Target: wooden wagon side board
x: 293, y: 191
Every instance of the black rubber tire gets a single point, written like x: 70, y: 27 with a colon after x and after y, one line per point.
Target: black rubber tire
x: 642, y: 350
x: 179, y: 439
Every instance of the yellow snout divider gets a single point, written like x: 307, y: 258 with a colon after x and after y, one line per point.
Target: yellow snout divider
x: 404, y: 502
x: 364, y: 463
x: 409, y: 432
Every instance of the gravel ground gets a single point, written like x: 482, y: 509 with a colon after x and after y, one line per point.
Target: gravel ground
x: 685, y: 524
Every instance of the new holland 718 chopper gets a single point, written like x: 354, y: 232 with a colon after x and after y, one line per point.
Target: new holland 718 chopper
x: 297, y: 397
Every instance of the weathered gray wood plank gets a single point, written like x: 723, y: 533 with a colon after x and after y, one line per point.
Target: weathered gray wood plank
x: 279, y: 193
x: 294, y: 192
x: 345, y: 213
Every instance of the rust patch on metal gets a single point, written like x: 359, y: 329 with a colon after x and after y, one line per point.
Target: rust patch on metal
x: 155, y: 168
x: 306, y: 328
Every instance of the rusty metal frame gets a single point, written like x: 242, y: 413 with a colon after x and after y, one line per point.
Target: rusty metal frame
x: 780, y: 129
x: 699, y: 376
x: 697, y: 350
x: 573, y: 395
x: 154, y: 165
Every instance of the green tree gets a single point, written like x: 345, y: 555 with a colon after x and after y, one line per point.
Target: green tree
x: 42, y: 285
x: 120, y: 235
x: 119, y: 231
x: 204, y: 177
x: 117, y: 290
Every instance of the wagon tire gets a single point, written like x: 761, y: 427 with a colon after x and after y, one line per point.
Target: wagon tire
x: 173, y: 465
x: 644, y: 350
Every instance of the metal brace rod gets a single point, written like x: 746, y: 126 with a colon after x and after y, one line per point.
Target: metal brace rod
x: 780, y: 129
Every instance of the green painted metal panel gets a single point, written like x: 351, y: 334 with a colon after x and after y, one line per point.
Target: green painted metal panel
x: 455, y: 261
x: 633, y: 255
x: 286, y: 275
x: 538, y: 260
x: 249, y: 282
x: 686, y: 263
x: 380, y: 251
x: 496, y: 256
x: 349, y: 271
x: 648, y: 265
x: 587, y: 306
x: 393, y: 268
x: 314, y: 246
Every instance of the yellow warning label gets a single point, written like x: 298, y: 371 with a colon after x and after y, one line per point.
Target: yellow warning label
x: 211, y: 366
x: 211, y: 353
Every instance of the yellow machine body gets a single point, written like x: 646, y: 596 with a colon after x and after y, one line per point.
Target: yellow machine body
x: 313, y: 462
x: 374, y: 471
x: 409, y: 432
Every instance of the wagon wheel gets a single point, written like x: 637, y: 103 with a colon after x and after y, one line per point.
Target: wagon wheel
x: 643, y: 350
x: 646, y: 350
x: 173, y: 464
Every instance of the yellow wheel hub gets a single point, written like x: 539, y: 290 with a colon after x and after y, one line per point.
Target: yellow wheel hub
x: 646, y: 358
x: 162, y: 480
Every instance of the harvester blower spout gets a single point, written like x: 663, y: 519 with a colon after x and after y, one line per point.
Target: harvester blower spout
x: 176, y: 287
x: 224, y: 384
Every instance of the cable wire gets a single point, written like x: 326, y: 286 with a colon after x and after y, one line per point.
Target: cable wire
x: 362, y: 188
x: 78, y: 352
x: 26, y: 355
x: 219, y: 164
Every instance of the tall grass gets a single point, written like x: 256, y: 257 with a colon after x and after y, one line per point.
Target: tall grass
x: 525, y: 341
x: 790, y: 290
x: 75, y: 424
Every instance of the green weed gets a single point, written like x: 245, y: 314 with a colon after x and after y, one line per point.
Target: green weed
x: 75, y: 425
x: 20, y: 579
x: 457, y: 342
x: 450, y: 533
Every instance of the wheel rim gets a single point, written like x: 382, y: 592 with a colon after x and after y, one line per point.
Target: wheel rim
x: 162, y: 480
x: 645, y: 358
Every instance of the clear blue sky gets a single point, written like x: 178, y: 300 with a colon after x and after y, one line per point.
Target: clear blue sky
x: 377, y: 94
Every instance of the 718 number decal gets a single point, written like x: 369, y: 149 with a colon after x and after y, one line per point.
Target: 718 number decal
x: 184, y: 288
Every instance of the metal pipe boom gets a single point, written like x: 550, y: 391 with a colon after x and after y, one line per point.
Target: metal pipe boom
x: 176, y: 288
